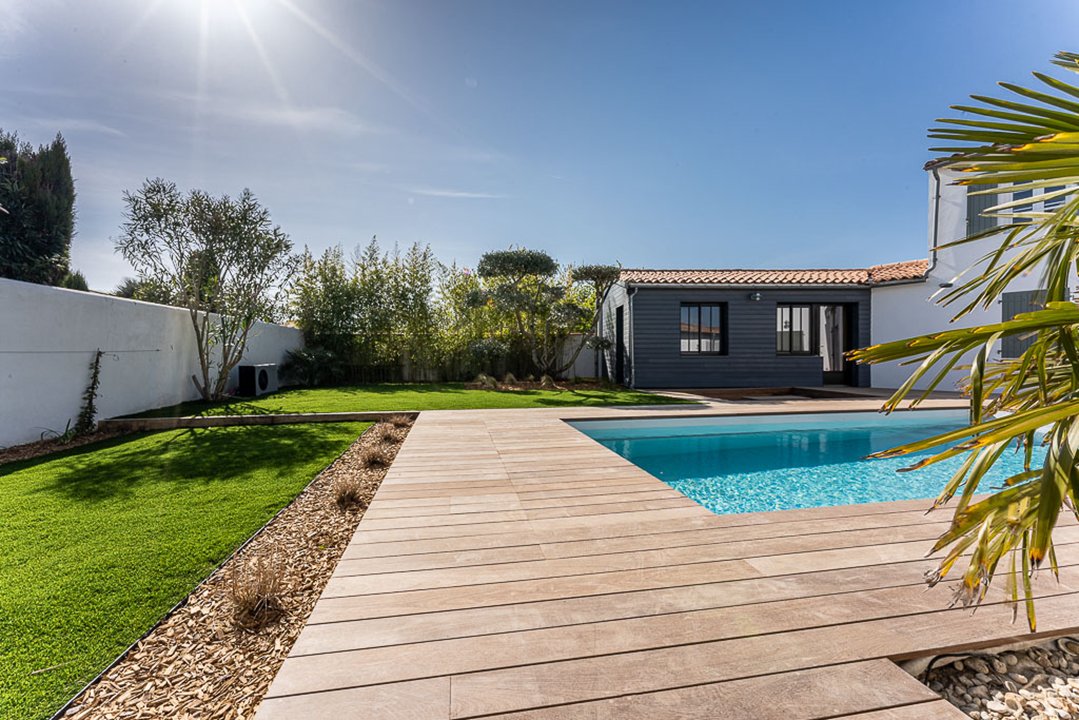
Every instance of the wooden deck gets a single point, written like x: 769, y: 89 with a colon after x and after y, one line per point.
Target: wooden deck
x: 509, y: 566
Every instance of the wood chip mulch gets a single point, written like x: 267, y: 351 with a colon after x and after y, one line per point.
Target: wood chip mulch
x: 29, y: 451
x: 198, y: 664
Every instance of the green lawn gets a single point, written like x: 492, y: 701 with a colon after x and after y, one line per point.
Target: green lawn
x: 100, y: 541
x: 391, y: 397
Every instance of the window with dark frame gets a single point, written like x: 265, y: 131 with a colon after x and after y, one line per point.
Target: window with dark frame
x: 1054, y: 202
x: 701, y: 328
x: 794, y: 330
x: 1022, y: 195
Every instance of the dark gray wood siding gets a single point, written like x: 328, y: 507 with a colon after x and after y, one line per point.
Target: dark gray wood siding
x: 616, y: 298
x: 751, y: 359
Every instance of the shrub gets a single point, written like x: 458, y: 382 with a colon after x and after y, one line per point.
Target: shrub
x: 75, y: 281
x: 376, y: 457
x: 399, y: 420
x: 486, y: 382
x: 388, y: 433
x: 256, y: 593
x: 486, y: 353
x: 313, y: 366
x: 348, y: 492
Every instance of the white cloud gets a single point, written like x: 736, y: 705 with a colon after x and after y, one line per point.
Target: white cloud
x: 309, y: 118
x: 452, y: 193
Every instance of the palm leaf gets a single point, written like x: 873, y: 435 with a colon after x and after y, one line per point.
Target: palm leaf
x: 1031, y: 136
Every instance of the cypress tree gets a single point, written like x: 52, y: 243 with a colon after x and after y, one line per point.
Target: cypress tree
x: 37, y: 193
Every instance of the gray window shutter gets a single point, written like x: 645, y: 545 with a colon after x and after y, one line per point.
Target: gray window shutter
x: 976, y: 205
x: 1012, y: 304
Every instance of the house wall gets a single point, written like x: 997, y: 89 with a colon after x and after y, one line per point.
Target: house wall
x: 907, y: 310
x: 617, y: 297
x: 48, y: 337
x: 751, y: 359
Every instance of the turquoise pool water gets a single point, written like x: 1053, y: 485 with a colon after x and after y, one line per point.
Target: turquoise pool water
x: 758, y: 463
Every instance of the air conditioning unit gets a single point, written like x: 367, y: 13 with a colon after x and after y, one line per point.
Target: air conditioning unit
x: 257, y: 379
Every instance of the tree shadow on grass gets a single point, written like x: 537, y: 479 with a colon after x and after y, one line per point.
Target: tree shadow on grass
x: 119, y: 468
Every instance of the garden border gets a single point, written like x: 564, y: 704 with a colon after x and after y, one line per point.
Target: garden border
x: 250, y: 539
x: 205, y: 421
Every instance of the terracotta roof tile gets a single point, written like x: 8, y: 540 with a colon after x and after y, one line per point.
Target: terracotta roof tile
x: 892, y: 272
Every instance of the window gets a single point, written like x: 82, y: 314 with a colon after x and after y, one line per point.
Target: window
x: 1022, y: 195
x: 1054, y: 202
x: 793, y: 330
x: 701, y: 328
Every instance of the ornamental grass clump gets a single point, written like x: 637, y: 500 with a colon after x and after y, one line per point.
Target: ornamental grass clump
x: 256, y: 592
x: 399, y: 420
x: 388, y: 434
x: 348, y: 492
x: 376, y: 457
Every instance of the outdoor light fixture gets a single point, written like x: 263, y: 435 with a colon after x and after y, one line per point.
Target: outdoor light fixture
x: 755, y: 296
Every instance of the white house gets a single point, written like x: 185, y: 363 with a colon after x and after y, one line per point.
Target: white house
x: 906, y: 310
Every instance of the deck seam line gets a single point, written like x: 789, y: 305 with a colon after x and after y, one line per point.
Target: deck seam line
x: 745, y: 559
x: 679, y: 612
x: 617, y: 592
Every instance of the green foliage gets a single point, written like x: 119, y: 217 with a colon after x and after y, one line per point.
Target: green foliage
x: 313, y: 366
x: 100, y: 541
x: 1020, y: 402
x: 418, y: 319
x: 516, y: 264
x: 547, y: 303
x: 323, y: 302
x: 87, y: 420
x: 75, y: 281
x: 145, y: 289
x: 486, y: 352
x: 221, y: 258
x: 37, y: 194
x: 380, y: 312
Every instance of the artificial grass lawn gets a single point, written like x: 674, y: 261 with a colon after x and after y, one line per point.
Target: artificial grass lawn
x: 100, y: 541
x: 391, y: 397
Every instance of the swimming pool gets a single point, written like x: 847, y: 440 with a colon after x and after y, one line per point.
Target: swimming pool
x: 781, y: 462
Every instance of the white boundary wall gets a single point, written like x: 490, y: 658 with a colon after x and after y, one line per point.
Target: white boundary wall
x: 48, y: 337
x: 585, y: 365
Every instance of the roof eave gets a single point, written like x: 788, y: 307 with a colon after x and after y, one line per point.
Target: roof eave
x: 736, y: 286
x: 904, y: 281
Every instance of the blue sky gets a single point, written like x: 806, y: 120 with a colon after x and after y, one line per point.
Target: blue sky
x: 665, y: 134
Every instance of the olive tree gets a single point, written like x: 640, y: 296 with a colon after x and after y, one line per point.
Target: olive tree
x: 547, y: 303
x: 220, y: 258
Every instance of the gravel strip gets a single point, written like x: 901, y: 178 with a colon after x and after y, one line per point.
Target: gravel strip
x: 197, y: 663
x: 1037, y: 683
